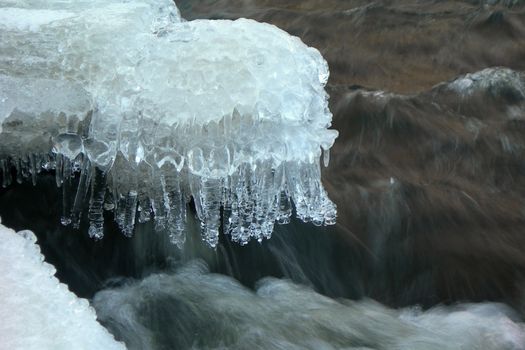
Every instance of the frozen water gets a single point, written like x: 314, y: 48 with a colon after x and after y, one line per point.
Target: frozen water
x: 37, y: 311
x: 191, y: 308
x: 30, y: 105
x: 153, y: 110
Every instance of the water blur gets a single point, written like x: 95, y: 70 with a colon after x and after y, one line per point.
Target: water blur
x: 191, y: 308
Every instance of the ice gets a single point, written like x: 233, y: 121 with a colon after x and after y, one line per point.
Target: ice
x: 153, y: 110
x: 22, y: 19
x: 32, y: 114
x: 37, y: 311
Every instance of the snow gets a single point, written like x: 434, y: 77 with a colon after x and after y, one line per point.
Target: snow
x: 231, y: 113
x: 37, y: 311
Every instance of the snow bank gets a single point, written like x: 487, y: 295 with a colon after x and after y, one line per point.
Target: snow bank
x: 37, y: 311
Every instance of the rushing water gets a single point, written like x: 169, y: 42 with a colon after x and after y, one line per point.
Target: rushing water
x: 190, y: 308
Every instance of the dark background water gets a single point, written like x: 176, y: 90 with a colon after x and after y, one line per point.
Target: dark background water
x: 450, y: 226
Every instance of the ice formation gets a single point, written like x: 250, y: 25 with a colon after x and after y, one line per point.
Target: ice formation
x: 37, y: 311
x: 152, y: 110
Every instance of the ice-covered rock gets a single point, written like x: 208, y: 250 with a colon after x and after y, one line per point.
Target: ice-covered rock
x: 495, y: 81
x: 37, y: 311
x: 154, y: 110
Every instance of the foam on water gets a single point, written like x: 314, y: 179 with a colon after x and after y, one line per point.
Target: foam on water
x: 192, y: 308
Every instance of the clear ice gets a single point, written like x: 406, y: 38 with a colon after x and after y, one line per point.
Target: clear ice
x: 149, y: 110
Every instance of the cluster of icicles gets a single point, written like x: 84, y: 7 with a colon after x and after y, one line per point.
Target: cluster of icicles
x: 245, y: 204
x: 231, y: 116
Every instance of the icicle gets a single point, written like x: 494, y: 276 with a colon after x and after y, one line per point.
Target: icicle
x: 82, y: 190
x: 300, y: 192
x: 285, y: 208
x: 144, y: 178
x: 59, y: 171
x: 177, y: 210
x: 33, y: 168
x: 24, y: 167
x: 65, y: 218
x: 246, y: 205
x: 210, y: 198
x: 260, y: 205
x: 226, y: 217
x: 326, y: 157
x: 130, y: 211
x: 195, y: 188
x: 235, y: 229
x: 109, y: 201
x: 158, y: 203
x: 6, y: 171
x: 329, y: 209
x: 119, y: 209
x: 18, y: 165
x: 96, y: 204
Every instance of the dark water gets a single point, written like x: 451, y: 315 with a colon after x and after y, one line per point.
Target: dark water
x: 430, y: 186
x: 454, y: 213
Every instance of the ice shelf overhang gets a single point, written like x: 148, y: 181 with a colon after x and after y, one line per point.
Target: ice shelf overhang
x: 147, y: 110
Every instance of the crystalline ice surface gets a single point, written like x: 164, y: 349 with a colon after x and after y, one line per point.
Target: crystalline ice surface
x: 37, y: 311
x: 153, y: 110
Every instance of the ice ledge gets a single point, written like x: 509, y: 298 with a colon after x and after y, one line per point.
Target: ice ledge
x: 233, y: 174
x: 230, y: 113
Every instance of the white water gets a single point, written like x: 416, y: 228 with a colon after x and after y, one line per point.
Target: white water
x: 192, y: 308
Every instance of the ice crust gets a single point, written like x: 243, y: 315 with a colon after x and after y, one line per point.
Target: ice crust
x: 37, y: 311
x: 154, y: 110
x: 496, y: 81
